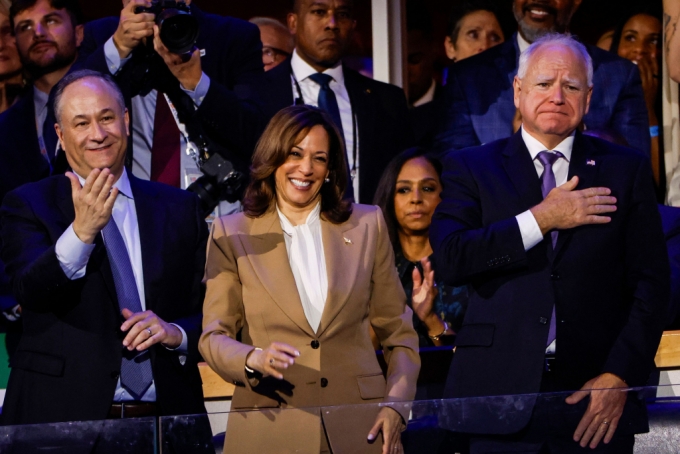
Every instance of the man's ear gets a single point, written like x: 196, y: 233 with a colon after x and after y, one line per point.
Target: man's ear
x: 292, y: 20
x: 60, y: 135
x: 80, y: 33
x: 450, y: 48
x: 127, y: 122
x: 517, y: 88
x: 588, y: 96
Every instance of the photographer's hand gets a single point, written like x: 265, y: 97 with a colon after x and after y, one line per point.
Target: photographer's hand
x: 132, y: 28
x: 186, y: 68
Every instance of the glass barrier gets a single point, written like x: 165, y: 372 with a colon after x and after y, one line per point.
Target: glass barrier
x: 112, y: 436
x: 435, y: 426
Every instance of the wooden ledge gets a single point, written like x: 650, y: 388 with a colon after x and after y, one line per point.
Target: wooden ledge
x: 668, y: 354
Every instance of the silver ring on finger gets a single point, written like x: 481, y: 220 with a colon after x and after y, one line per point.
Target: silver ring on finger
x: 605, y: 423
x: 148, y: 330
x: 271, y: 362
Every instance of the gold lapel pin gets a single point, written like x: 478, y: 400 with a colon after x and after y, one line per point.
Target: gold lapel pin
x: 347, y: 240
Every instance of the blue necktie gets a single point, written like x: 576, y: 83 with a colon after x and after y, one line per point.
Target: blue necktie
x: 329, y: 103
x: 548, y: 184
x: 135, y: 371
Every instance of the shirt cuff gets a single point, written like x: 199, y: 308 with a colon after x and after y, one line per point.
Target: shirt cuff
x: 73, y: 254
x: 113, y: 60
x: 529, y: 229
x: 183, y: 348
x: 198, y: 95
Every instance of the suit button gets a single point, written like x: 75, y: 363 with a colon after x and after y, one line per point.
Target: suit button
x: 542, y: 320
x: 115, y: 374
x: 315, y: 344
x: 324, y: 382
x: 555, y: 277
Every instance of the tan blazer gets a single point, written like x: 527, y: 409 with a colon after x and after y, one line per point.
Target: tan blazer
x: 251, y: 290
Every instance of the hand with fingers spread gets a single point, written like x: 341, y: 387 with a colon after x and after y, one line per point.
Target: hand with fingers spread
x: 268, y: 361
x: 565, y: 208
x: 604, y: 409
x: 93, y: 203
x: 422, y: 298
x: 390, y: 422
x: 145, y: 329
x: 186, y: 68
x: 133, y: 27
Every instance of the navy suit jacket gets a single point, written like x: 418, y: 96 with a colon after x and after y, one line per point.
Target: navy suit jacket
x: 382, y: 119
x: 609, y: 283
x: 68, y: 361
x: 233, y: 60
x: 479, y: 106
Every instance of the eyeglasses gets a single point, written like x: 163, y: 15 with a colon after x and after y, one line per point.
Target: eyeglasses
x: 272, y: 54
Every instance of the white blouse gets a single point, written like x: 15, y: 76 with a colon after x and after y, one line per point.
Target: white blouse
x: 308, y: 263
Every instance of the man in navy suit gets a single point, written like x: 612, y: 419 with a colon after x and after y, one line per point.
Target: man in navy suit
x: 209, y: 86
x: 373, y: 116
x: 560, y: 238
x: 479, y: 108
x: 65, y: 239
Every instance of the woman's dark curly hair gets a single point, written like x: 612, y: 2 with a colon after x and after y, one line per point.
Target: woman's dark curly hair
x: 288, y: 128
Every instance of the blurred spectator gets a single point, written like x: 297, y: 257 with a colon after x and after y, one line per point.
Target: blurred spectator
x: 408, y: 194
x: 473, y: 27
x: 604, y: 42
x: 638, y: 39
x: 423, y: 90
x: 11, y: 80
x: 46, y: 39
x: 479, y: 94
x: 372, y: 116
x: 209, y: 90
x: 671, y: 12
x: 277, y: 42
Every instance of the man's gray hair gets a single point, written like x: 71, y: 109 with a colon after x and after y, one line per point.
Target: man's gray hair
x: 80, y: 75
x: 556, y: 39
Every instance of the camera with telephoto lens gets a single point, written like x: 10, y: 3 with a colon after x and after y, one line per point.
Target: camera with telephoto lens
x: 178, y: 28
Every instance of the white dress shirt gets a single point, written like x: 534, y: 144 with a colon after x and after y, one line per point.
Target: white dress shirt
x: 522, y: 43
x: 73, y: 256
x: 308, y: 263
x: 428, y: 96
x: 310, y: 96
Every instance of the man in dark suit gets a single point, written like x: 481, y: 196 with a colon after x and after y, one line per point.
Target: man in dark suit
x: 47, y: 38
x: 373, y: 116
x: 101, y: 263
x: 479, y: 104
x: 560, y: 238
x: 209, y: 87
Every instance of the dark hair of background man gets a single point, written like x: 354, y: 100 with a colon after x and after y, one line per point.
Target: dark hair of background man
x: 73, y: 7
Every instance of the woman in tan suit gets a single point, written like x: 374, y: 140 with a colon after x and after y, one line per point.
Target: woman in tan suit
x: 292, y: 286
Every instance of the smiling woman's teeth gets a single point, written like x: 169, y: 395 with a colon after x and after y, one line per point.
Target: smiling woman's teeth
x: 301, y: 184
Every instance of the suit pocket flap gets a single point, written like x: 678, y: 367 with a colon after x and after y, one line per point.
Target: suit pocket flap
x: 480, y: 335
x: 371, y: 386
x: 41, y: 363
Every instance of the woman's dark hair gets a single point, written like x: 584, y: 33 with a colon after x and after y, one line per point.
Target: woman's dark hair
x: 652, y: 11
x: 384, y: 195
x: 464, y: 7
x: 288, y: 128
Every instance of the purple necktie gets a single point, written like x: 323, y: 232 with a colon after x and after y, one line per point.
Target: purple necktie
x: 548, y: 184
x: 135, y: 372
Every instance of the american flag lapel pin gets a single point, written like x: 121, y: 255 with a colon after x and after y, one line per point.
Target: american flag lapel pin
x: 590, y: 162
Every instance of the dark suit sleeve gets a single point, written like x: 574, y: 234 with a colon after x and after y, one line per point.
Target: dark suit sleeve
x: 29, y: 254
x: 632, y: 355
x: 454, y: 129
x: 630, y: 118
x: 192, y: 324
x: 463, y: 246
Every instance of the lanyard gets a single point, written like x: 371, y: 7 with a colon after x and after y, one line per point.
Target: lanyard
x: 301, y: 100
